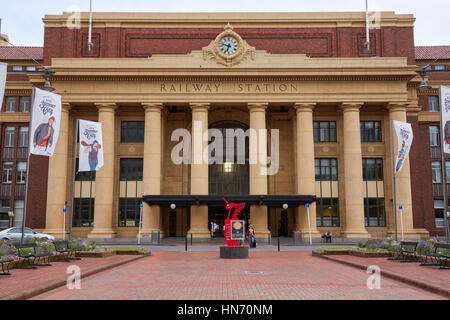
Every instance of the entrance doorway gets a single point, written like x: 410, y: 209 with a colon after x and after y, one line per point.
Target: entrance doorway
x: 216, y: 220
x: 172, y: 224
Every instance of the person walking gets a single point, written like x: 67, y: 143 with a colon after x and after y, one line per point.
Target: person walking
x: 251, y: 236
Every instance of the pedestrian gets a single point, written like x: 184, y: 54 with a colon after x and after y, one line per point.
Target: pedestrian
x: 328, y: 236
x: 251, y: 236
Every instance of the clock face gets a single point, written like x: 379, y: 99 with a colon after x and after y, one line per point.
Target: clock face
x: 229, y: 45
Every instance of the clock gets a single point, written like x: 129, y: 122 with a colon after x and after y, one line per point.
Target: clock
x: 229, y: 45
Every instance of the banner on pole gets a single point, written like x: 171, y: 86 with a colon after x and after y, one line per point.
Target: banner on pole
x: 91, y: 146
x: 45, y: 122
x: 3, y: 73
x: 405, y: 139
x: 444, y: 93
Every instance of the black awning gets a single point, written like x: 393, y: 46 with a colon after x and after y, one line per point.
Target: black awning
x: 217, y: 201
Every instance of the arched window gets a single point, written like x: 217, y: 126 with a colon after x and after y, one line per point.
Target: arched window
x: 231, y: 178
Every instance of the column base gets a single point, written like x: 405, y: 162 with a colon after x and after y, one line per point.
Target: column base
x: 56, y: 233
x: 356, y: 234
x: 315, y: 234
x: 409, y: 234
x: 199, y: 233
x: 102, y: 234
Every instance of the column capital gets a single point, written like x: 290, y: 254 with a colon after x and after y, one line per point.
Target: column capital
x: 106, y: 106
x: 200, y: 106
x: 351, y: 106
x: 66, y: 106
x: 397, y: 106
x: 304, y: 106
x: 152, y: 106
x: 257, y: 106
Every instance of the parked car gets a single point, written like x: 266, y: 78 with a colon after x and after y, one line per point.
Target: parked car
x: 16, y: 233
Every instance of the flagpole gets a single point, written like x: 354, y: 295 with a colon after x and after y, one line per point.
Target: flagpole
x: 72, y: 205
x: 393, y: 179
x: 444, y: 168
x: 28, y: 165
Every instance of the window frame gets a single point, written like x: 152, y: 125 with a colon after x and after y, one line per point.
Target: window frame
x: 126, y: 137
x: 435, y: 135
x: 433, y: 103
x: 9, y: 99
x: 331, y: 131
x: 7, y: 172
x: 365, y: 132
x: 22, y: 99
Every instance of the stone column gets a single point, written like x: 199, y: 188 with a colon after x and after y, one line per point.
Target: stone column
x: 58, y: 179
x: 104, y: 182
x: 305, y: 168
x: 354, y: 226
x: 258, y: 180
x: 151, y: 215
x: 397, y: 111
x: 199, y: 169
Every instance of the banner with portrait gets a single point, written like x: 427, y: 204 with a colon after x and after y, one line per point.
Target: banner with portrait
x: 444, y: 94
x: 91, y: 146
x: 45, y: 122
x: 405, y: 138
x: 3, y: 73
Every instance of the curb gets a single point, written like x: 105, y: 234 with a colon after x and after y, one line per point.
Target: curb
x: 54, y: 284
x: 419, y: 284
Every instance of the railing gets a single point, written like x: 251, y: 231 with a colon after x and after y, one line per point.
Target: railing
x: 19, y: 192
x: 8, y: 153
x: 22, y: 153
x: 5, y: 191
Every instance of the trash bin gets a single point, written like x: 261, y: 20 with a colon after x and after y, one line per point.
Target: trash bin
x: 298, y: 238
x: 155, y: 237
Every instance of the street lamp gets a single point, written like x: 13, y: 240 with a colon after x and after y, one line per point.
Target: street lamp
x: 424, y: 70
x: 285, y: 206
x: 11, y: 218
x: 173, y: 206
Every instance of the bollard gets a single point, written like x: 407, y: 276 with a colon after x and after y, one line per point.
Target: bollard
x: 191, y: 239
x: 185, y: 243
x: 278, y: 243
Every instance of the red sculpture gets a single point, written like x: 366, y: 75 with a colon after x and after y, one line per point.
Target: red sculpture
x: 238, y: 207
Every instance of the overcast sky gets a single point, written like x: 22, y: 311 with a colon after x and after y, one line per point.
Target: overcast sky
x: 22, y: 19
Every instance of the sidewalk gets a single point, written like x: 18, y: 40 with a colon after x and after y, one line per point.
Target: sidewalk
x: 27, y: 283
x: 428, y: 278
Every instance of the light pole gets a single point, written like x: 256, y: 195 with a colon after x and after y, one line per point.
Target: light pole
x: 11, y: 218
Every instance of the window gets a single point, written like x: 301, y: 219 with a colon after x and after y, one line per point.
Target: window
x: 433, y: 103
x: 439, y: 68
x: 23, y: 137
x: 31, y: 68
x: 9, y: 136
x: 327, y: 210
x: 7, y: 172
x: 131, y: 169
x: 24, y: 104
x: 436, y: 171
x: 129, y: 197
x: 373, y: 169
x: 434, y: 136
x: 132, y: 131
x: 10, y: 104
x: 17, y: 68
x: 439, y: 213
x: 84, y: 175
x: 83, y: 212
x: 21, y: 175
x: 370, y: 131
x: 324, y: 131
x: 374, y: 202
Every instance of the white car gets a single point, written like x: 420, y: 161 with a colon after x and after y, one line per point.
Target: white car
x: 16, y: 233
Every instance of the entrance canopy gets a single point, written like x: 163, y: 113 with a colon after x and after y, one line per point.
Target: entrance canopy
x: 266, y: 200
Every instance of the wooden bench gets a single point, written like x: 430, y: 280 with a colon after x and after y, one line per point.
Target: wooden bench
x: 7, y: 262
x: 439, y: 257
x: 407, y: 248
x: 36, y: 254
x: 62, y: 246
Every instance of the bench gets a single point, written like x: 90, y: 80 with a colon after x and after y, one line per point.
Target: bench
x: 62, y: 247
x: 439, y: 257
x: 406, y: 249
x: 36, y: 254
x: 7, y: 262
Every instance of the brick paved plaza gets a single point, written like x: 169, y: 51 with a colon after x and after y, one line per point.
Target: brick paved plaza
x: 202, y: 275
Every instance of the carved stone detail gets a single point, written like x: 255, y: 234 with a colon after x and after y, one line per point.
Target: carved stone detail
x: 212, y: 51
